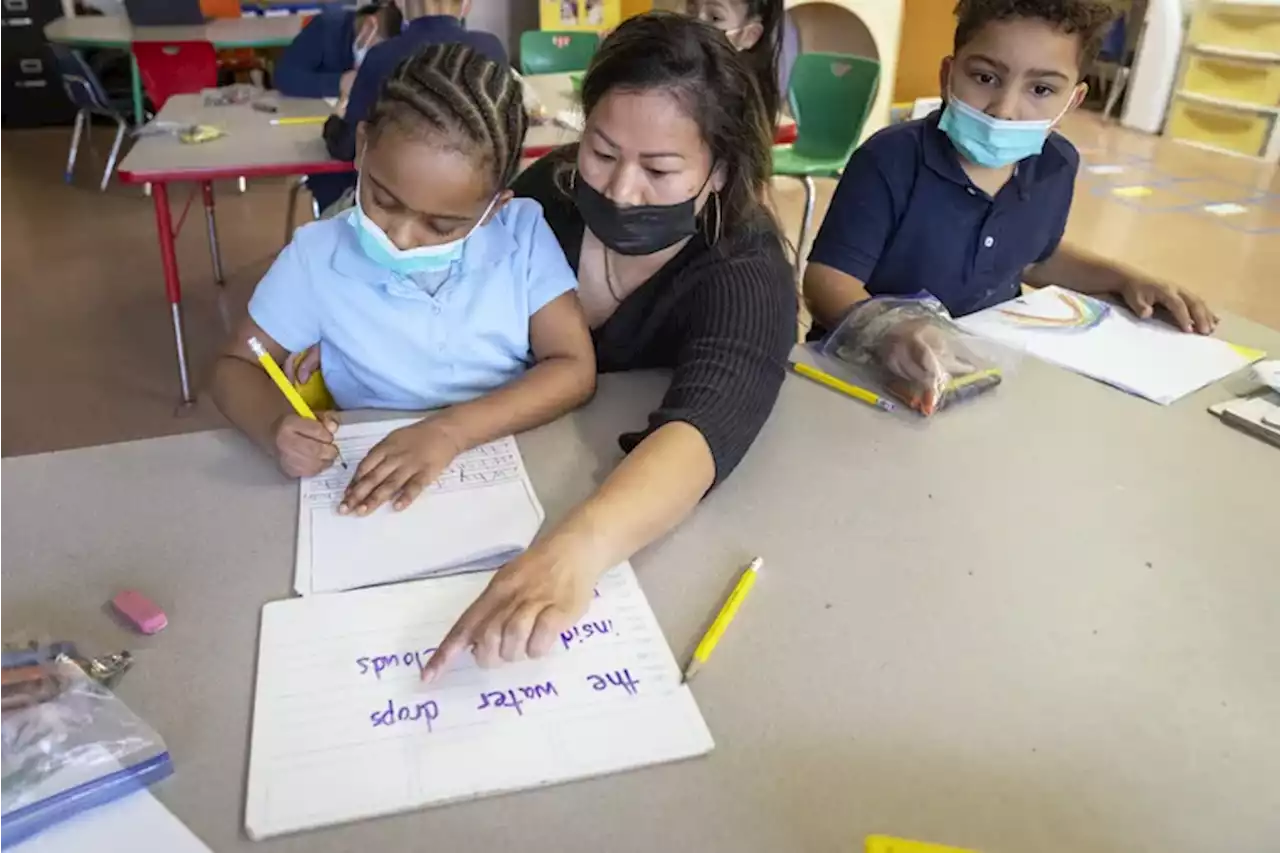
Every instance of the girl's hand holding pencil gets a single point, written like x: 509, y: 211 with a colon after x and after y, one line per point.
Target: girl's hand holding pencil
x: 305, y: 447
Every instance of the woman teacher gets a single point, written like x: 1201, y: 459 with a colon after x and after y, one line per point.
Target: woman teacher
x: 680, y: 266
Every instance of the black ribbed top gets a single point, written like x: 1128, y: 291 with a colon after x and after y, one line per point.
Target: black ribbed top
x: 721, y: 317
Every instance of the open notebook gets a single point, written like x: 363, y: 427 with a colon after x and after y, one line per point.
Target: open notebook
x: 480, y: 513
x: 343, y: 728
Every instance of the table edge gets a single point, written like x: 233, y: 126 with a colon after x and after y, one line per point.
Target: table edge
x: 266, y: 170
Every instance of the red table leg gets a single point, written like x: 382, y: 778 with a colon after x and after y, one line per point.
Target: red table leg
x: 206, y: 189
x: 172, y: 287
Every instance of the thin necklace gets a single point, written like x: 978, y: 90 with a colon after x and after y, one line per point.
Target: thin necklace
x: 608, y: 278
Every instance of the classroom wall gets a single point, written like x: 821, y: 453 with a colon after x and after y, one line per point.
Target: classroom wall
x: 927, y: 30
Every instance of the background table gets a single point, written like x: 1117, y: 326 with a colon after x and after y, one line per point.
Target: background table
x: 556, y: 93
x: 253, y: 147
x: 116, y: 31
x: 1042, y: 622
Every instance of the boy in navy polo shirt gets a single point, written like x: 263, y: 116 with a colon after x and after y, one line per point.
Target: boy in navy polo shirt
x: 322, y: 61
x: 973, y: 200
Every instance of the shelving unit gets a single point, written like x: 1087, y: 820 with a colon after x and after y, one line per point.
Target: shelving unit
x: 1227, y: 96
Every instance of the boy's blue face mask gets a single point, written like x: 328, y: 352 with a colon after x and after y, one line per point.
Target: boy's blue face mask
x: 382, y: 251
x: 993, y: 142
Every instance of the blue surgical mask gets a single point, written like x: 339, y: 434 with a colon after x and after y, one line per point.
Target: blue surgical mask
x: 382, y: 251
x: 989, y: 141
x: 358, y: 53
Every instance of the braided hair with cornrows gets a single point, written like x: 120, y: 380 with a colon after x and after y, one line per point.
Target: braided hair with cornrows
x: 476, y: 104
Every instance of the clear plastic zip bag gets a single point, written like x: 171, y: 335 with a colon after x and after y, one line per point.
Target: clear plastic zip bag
x: 912, y: 350
x: 68, y: 744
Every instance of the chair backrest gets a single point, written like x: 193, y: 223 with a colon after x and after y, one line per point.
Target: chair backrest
x: 81, y: 84
x: 831, y: 96
x: 175, y: 68
x: 221, y: 8
x: 543, y: 52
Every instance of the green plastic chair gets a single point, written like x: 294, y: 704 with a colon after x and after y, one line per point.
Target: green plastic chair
x: 830, y: 96
x: 543, y: 52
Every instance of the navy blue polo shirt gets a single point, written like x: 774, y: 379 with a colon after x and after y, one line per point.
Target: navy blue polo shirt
x: 383, y: 58
x: 315, y: 61
x: 906, y: 218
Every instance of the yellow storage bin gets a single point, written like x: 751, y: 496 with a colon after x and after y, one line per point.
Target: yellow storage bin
x: 1222, y: 127
x: 1238, y: 25
x: 1232, y: 79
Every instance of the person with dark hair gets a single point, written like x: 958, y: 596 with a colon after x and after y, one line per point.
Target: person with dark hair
x: 427, y: 22
x: 757, y: 28
x: 681, y: 267
x: 971, y: 201
x: 322, y: 61
x: 436, y: 289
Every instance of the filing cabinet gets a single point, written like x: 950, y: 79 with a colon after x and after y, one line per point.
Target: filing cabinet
x: 32, y: 90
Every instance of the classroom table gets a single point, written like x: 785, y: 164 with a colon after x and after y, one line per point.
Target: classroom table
x: 253, y: 147
x: 556, y: 94
x: 1043, y: 622
x: 116, y: 31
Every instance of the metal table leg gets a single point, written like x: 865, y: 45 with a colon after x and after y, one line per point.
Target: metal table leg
x: 206, y: 189
x: 172, y: 286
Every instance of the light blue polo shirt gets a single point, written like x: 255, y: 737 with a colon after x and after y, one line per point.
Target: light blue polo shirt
x: 391, y: 342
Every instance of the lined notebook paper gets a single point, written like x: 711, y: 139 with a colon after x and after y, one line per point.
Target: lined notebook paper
x: 480, y: 513
x: 343, y: 728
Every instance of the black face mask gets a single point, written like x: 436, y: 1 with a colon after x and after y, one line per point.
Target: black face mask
x: 639, y: 230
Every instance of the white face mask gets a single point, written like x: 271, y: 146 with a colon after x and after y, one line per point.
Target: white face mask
x: 358, y: 53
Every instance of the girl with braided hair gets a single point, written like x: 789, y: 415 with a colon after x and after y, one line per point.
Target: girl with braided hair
x: 438, y: 289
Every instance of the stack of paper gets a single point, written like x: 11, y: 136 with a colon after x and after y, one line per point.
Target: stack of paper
x: 480, y: 513
x: 1148, y: 358
x: 343, y: 727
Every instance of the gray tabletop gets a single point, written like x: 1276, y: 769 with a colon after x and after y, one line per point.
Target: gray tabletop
x: 1045, y: 621
x: 116, y: 31
x: 555, y: 94
x: 252, y: 142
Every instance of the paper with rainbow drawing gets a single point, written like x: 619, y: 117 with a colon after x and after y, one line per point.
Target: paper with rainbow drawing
x: 1148, y: 358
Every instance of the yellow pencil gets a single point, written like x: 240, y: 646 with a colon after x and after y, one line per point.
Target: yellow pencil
x: 824, y: 378
x: 286, y: 387
x: 723, y: 618
x: 300, y: 120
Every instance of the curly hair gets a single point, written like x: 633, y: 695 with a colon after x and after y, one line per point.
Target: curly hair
x: 1086, y: 18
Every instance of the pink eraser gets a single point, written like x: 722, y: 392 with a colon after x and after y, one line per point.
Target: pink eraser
x: 141, y: 611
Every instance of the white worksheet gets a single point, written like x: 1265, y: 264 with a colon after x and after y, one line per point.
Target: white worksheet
x: 480, y: 513
x: 138, y: 823
x: 344, y: 729
x: 1148, y: 358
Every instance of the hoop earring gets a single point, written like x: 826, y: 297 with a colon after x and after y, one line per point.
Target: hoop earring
x: 711, y: 241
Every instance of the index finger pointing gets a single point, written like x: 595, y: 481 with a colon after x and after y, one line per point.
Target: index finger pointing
x: 457, y: 640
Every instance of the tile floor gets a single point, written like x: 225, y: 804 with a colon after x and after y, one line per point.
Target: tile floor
x: 87, y: 346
